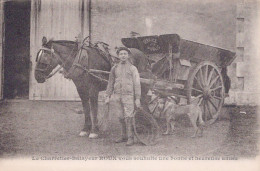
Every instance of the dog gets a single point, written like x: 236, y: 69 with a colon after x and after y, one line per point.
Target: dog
x: 171, y: 111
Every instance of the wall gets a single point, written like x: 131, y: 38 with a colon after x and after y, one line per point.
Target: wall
x: 208, y: 22
x: 60, y: 20
x: 244, y: 70
x: 228, y: 24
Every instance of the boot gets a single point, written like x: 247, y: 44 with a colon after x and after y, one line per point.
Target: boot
x: 130, y: 133
x: 123, y: 137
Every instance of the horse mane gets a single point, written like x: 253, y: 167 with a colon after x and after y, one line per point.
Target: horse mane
x: 66, y: 43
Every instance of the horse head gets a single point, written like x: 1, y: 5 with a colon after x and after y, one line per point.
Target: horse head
x: 52, y: 54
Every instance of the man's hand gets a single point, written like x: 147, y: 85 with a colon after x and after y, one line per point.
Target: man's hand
x: 107, y: 100
x: 138, y: 103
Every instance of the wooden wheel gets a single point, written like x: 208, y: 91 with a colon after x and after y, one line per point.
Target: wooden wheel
x: 205, y: 86
x: 145, y: 127
x: 152, y: 107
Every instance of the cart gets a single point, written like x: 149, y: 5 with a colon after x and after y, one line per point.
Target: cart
x: 188, y: 71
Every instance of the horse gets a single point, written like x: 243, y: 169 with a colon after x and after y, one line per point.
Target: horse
x: 65, y: 53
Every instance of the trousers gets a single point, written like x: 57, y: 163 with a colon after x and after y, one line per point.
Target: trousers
x: 124, y: 105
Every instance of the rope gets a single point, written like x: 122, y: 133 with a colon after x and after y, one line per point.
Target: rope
x: 101, y: 79
x: 50, y: 75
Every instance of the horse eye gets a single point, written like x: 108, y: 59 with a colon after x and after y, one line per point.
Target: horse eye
x: 43, y: 65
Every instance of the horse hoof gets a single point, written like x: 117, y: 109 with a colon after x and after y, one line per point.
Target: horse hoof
x: 83, y: 134
x: 93, y: 136
x: 166, y: 133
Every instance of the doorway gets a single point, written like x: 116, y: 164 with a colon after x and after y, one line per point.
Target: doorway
x: 16, y: 49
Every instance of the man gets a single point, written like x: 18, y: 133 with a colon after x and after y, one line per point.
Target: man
x: 124, y: 82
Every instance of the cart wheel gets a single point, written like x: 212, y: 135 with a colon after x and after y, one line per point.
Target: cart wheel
x: 146, y: 128
x: 152, y: 107
x: 205, y: 86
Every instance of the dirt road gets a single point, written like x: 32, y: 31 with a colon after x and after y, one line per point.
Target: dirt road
x: 38, y: 128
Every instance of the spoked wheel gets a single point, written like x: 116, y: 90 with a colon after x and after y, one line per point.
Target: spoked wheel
x: 205, y: 86
x: 146, y: 128
x: 153, y: 106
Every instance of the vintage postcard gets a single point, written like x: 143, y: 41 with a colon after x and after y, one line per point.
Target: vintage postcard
x: 129, y: 85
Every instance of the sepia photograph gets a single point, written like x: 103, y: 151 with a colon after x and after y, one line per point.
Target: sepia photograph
x: 116, y: 83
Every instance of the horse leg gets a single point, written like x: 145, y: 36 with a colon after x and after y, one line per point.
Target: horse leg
x: 93, y: 114
x: 84, y: 96
x: 87, y: 125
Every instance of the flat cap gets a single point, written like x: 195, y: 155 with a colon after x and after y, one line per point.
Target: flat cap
x: 123, y: 48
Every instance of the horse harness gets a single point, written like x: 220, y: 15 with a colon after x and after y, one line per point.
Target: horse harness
x: 77, y: 67
x: 48, y: 63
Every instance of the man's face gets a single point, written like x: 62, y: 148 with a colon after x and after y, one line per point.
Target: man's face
x: 123, y: 55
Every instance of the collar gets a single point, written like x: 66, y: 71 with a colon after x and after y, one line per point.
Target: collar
x: 124, y: 62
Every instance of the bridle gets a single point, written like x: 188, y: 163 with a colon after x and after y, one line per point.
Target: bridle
x: 63, y: 62
x: 53, y: 54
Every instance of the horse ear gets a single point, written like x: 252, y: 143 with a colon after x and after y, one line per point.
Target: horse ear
x: 44, y: 40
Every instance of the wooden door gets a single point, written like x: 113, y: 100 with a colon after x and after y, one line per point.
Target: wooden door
x: 60, y: 20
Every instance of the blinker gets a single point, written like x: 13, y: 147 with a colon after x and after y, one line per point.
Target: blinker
x: 42, y: 59
x: 45, y: 60
x: 37, y: 56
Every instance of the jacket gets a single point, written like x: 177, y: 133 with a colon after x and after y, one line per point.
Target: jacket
x: 124, y: 79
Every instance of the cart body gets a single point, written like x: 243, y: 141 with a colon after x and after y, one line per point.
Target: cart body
x: 186, y: 69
